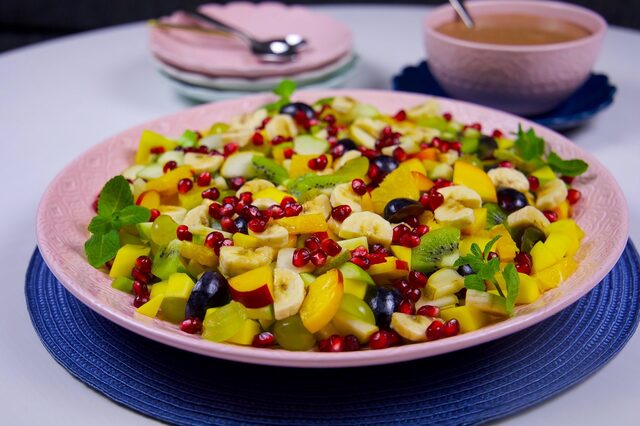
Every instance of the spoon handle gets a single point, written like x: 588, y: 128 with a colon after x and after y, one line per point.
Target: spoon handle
x: 221, y: 25
x: 191, y: 28
x: 462, y: 12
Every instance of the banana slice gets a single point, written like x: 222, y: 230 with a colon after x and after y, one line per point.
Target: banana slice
x: 334, y: 226
x: 241, y: 137
x: 203, y: 162
x: 236, y: 260
x: 254, y: 186
x: 367, y: 224
x: 343, y: 194
x: 132, y: 172
x: 347, y: 156
x: 239, y: 164
x: 281, y: 125
x: 507, y: 177
x: 461, y: 194
x: 343, y: 104
x: 411, y: 327
x: 528, y: 216
x: 249, y: 121
x: 214, y: 141
x: 263, y: 203
x: 197, y: 216
x: 426, y: 109
x: 319, y: 204
x: 448, y: 157
x: 551, y: 194
x: 453, y: 213
x: 283, y: 261
x: 275, y: 236
x: 288, y: 293
x: 361, y: 137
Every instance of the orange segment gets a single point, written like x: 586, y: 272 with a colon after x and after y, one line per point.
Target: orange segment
x: 474, y: 178
x: 398, y: 184
x: 304, y: 224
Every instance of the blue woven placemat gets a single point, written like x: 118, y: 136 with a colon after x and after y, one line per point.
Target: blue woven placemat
x: 466, y: 387
x: 595, y: 95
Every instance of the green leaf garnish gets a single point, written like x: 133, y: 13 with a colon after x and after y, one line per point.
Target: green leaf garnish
x: 512, y: 279
x: 99, y: 225
x: 284, y: 90
x: 528, y: 145
x: 573, y: 167
x: 101, y: 248
x: 115, y: 196
x: 132, y: 215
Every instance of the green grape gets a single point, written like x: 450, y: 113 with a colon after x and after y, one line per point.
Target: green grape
x: 163, y: 230
x: 357, y: 308
x: 218, y: 128
x: 292, y: 335
x: 223, y: 323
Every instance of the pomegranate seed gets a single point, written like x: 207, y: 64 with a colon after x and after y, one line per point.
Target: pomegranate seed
x: 183, y: 233
x: 406, y: 307
x: 228, y: 225
x: 140, y: 289
x: 420, y: 230
x: 204, y: 179
x: 429, y: 311
x: 236, y: 182
x: 374, y: 172
x: 369, y: 153
x: 409, y: 240
x: 412, y: 221
x: 436, y: 142
x: 337, y: 151
x: 394, y: 338
x: 451, y: 328
x: 476, y: 126
x: 417, y: 279
x: 224, y: 243
x: 265, y: 122
x: 329, y: 118
x: 318, y: 163
x: 436, y: 199
x: 508, y: 164
x: 215, y: 210
x: 288, y: 153
x: 424, y: 200
x: 331, y: 247
x: 551, y: 215
x: 447, y: 116
x: 210, y: 194
x: 144, y: 264
x: 287, y: 200
x: 573, y: 196
x: 399, y: 155
x: 257, y: 225
x: 376, y: 258
x: 275, y: 211
x: 360, y: 261
x: 523, y: 263
x: 168, y: 166
x: 567, y: 179
x: 413, y: 294
x: 334, y: 343
x: 191, y: 325
x: 441, y: 183
x: 332, y: 130
x: 358, y: 186
x: 233, y: 200
x: 155, y: 213
x: 94, y: 205
x: 379, y: 340
x: 399, y: 231
x: 321, y: 235
x: 140, y: 300
x: 213, y: 239
x: 202, y: 149
x: 379, y: 248
x: 497, y: 134
x: 139, y: 275
x: 402, y: 285
x: 435, y: 330
x: 157, y: 150
x: 351, y: 343
x: 444, y: 147
x: 493, y: 255
x: 227, y: 210
x: 185, y: 185
x: 340, y: 213
x: 277, y: 140
x: 257, y: 139
x: 229, y: 149
x: 263, y: 340
x: 301, y: 257
x: 246, y: 198
x: 312, y: 243
x: 292, y: 209
x: 360, y: 251
x: 400, y: 115
x: 456, y: 146
x: 318, y: 257
x: 534, y: 183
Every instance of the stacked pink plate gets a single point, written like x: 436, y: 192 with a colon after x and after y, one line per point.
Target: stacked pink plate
x: 209, y: 67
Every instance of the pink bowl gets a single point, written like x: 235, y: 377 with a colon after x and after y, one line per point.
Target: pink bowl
x: 525, y: 80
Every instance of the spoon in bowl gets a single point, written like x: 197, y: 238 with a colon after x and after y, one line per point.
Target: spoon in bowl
x: 462, y: 12
x: 274, y: 51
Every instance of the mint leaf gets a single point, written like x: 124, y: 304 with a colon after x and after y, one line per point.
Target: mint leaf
x: 475, y: 250
x: 115, y: 195
x: 101, y: 248
x: 528, y: 145
x: 573, y: 167
x: 487, y: 247
x: 512, y: 279
x: 285, y: 89
x: 133, y: 214
x: 474, y: 282
x: 99, y: 225
x: 490, y: 269
x: 188, y: 139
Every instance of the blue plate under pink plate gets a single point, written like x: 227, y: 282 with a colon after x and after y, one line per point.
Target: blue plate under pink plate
x: 595, y: 95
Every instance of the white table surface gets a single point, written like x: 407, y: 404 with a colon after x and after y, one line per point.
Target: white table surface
x: 60, y: 97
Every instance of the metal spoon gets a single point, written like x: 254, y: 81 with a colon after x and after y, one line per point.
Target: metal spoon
x: 462, y: 12
x: 276, y: 50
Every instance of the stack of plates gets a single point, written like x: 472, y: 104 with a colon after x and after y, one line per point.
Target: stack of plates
x: 209, y: 67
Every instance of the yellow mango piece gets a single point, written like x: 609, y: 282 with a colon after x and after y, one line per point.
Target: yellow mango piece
x: 466, y: 242
x: 528, y: 290
x: 150, y: 140
x: 558, y: 243
x: 397, y: 184
x: 469, y: 318
x: 366, y: 203
x: 544, y: 174
x: 272, y: 193
x: 565, y: 226
x: 563, y: 210
x: 151, y: 308
x: 192, y: 198
x: 159, y: 289
x: 355, y: 287
x: 300, y: 164
x: 125, y: 259
x: 402, y: 253
x: 304, y: 224
x: 246, y: 241
x: 392, y: 268
x: 322, y: 301
x: 479, y: 221
x: 168, y: 182
x: 552, y: 277
x: 422, y: 182
x: 414, y: 165
x: 246, y: 334
x: 149, y: 199
x: 542, y: 257
x: 474, y: 178
x: 505, y: 246
x: 201, y: 254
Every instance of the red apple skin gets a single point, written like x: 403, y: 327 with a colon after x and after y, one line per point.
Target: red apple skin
x: 257, y: 298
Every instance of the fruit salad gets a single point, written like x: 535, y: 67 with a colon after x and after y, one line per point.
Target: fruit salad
x: 335, y: 227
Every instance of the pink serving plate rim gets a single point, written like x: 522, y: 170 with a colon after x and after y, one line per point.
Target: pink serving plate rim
x: 539, y: 6
x: 59, y: 257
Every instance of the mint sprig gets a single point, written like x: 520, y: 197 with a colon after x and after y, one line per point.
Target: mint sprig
x: 284, y: 90
x: 573, y: 167
x: 115, y: 210
x: 486, y: 270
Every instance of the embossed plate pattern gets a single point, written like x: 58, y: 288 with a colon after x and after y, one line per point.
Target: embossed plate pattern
x: 65, y: 211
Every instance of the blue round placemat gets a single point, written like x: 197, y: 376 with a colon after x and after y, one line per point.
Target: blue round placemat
x: 466, y: 387
x: 593, y: 96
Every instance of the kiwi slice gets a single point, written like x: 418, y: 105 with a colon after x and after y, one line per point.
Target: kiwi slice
x: 334, y: 262
x: 437, y: 249
x: 495, y: 215
x: 530, y: 236
x: 269, y: 169
x: 168, y: 261
x: 356, y: 168
x: 309, y: 195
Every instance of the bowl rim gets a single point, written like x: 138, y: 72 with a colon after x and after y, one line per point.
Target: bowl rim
x: 597, y: 35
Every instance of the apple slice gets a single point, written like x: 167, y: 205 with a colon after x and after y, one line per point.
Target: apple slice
x: 392, y: 268
x: 322, y: 301
x: 254, y: 289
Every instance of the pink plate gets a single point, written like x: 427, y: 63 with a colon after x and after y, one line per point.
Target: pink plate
x: 65, y: 211
x: 328, y: 40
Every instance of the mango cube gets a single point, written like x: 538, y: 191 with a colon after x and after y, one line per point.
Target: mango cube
x: 151, y: 308
x: 246, y: 334
x: 552, y: 277
x: 125, y: 259
x: 475, y: 178
x: 469, y: 318
x: 304, y: 224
